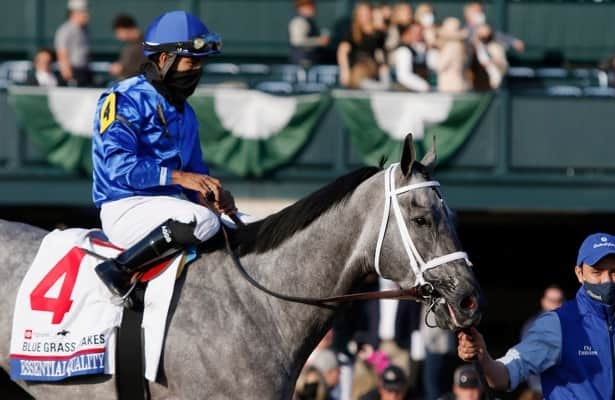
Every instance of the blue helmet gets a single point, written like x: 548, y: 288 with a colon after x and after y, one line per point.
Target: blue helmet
x: 180, y: 33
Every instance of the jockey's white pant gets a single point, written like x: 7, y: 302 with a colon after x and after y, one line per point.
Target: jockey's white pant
x: 128, y: 220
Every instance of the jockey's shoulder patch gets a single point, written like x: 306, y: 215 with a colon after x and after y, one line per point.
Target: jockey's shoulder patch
x: 107, y: 113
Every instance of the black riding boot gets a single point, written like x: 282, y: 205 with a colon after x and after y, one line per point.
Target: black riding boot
x: 116, y: 273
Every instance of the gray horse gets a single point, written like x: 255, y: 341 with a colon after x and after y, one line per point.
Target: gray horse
x: 228, y: 340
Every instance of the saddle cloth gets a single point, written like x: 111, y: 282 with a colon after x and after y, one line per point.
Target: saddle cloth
x: 65, y: 319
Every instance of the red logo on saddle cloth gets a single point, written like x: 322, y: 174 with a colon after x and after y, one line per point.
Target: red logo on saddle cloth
x: 28, y: 334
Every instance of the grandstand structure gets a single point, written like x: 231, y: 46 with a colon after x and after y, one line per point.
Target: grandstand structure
x: 539, y: 146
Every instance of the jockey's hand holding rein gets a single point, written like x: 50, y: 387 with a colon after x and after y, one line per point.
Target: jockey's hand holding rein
x: 222, y: 201
x: 472, y: 347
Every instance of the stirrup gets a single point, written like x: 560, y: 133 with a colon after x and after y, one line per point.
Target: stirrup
x: 126, y: 301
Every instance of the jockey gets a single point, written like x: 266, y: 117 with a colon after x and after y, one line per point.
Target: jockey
x: 150, y: 182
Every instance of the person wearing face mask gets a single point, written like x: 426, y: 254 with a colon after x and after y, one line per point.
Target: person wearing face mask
x: 401, y: 17
x: 489, y: 63
x: 572, y: 347
x: 425, y: 15
x: 475, y: 17
x: 149, y: 178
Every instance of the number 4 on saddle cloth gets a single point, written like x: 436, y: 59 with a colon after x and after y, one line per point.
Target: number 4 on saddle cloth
x: 65, y: 319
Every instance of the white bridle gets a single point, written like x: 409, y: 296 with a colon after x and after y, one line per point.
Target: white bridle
x: 419, y: 267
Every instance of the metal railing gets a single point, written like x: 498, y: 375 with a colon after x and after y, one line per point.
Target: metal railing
x: 289, y: 78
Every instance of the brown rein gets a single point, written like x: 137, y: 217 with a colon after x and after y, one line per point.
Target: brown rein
x: 416, y: 293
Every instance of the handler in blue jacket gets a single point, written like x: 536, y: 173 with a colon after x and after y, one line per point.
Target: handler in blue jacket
x: 150, y: 181
x: 572, y: 347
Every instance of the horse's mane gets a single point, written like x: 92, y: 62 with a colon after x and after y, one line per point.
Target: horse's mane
x: 272, y: 231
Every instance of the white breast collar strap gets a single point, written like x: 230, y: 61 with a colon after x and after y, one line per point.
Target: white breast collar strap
x: 418, y: 265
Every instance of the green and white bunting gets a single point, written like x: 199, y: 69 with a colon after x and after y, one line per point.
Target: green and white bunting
x: 377, y: 122
x: 245, y: 132
x: 250, y: 133
x: 59, y: 121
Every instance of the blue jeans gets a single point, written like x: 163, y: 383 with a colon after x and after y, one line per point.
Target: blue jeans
x: 437, y: 376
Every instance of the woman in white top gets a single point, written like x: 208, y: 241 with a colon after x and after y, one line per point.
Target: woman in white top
x: 491, y: 55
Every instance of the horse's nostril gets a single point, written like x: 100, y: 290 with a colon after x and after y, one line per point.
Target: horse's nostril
x: 468, y: 303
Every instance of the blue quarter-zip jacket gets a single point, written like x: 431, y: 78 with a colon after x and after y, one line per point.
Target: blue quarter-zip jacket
x: 585, y: 369
x: 139, y: 138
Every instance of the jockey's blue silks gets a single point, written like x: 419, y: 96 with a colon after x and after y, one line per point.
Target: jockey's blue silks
x: 143, y: 128
x: 585, y: 369
x: 128, y: 124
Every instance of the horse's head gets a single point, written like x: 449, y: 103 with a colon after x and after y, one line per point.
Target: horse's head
x: 417, y: 244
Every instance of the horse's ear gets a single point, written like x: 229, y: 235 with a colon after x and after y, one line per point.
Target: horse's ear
x: 429, y: 160
x: 408, y: 155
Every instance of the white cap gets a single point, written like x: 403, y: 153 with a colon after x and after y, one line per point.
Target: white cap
x: 78, y: 5
x: 324, y: 360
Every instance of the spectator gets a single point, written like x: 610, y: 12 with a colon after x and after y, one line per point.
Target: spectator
x: 42, y: 74
x: 326, y: 362
x: 390, y: 324
x: 379, y: 20
x: 369, y: 362
x: 450, y: 64
x: 387, y: 13
x: 475, y: 17
x: 466, y: 384
x: 489, y: 62
x: 369, y: 353
x: 608, y: 66
x: 437, y: 366
x: 552, y: 298
x: 425, y: 15
x: 400, y: 19
x: 410, y: 59
x: 310, y: 385
x: 306, y: 40
x: 345, y: 364
x: 391, y: 385
x: 131, y: 57
x: 361, y: 54
x: 72, y: 45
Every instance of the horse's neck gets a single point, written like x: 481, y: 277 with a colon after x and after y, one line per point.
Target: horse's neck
x: 325, y: 259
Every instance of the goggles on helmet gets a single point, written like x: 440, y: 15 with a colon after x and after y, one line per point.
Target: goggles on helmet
x: 211, y: 43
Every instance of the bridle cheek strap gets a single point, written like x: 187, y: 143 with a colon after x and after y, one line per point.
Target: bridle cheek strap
x: 418, y: 265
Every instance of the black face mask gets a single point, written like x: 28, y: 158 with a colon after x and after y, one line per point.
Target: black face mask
x: 602, y: 292
x: 181, y: 85
x: 310, y: 391
x: 176, y: 87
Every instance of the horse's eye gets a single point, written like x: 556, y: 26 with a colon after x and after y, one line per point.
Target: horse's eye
x: 420, y: 221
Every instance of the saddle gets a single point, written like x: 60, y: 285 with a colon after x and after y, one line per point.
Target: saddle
x: 65, y: 323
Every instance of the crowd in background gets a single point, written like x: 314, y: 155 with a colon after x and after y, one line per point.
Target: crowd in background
x: 72, y: 51
x: 392, y: 46
x: 388, y: 46
x: 387, y: 352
